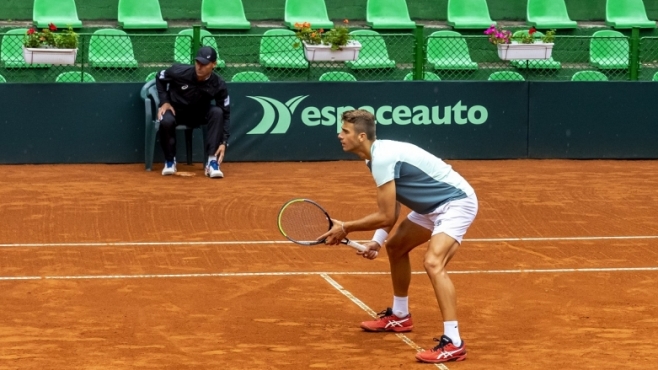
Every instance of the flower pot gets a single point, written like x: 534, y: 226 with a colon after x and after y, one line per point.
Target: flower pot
x: 324, y: 52
x: 49, y: 56
x: 538, y: 50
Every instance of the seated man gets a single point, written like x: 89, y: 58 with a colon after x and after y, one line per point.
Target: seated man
x: 186, y: 93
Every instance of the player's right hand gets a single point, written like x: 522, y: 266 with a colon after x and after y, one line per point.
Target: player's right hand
x: 372, y: 251
x: 163, y: 109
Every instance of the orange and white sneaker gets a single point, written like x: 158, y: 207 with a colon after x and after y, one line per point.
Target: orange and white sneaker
x: 387, y: 321
x: 443, y: 352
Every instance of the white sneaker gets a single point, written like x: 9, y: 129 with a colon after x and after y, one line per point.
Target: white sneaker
x: 169, y: 168
x: 213, y: 171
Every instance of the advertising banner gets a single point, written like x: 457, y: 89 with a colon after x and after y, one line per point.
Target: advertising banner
x: 300, y: 122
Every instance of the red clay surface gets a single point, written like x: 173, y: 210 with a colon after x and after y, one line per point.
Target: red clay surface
x: 77, y: 305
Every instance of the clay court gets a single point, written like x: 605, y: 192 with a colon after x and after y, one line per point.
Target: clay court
x: 112, y: 267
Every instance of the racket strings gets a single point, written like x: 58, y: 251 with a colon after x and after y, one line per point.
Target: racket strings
x: 303, y: 221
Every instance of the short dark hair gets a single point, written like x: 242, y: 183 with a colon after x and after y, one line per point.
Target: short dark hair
x: 362, y: 120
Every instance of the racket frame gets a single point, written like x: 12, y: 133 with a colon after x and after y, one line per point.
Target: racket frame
x: 345, y: 241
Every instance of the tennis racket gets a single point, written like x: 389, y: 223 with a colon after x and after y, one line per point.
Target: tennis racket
x: 302, y: 221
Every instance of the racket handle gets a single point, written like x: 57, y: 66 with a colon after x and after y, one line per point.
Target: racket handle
x: 357, y: 246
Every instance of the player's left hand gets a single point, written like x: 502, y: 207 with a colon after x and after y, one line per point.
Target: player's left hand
x: 372, y: 251
x: 335, y: 235
x: 220, y: 153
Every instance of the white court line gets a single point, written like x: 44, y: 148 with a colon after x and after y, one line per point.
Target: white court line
x: 165, y: 244
x: 311, y: 273
x: 372, y: 313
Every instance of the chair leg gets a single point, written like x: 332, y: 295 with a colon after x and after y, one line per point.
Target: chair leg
x: 188, y: 145
x: 149, y: 145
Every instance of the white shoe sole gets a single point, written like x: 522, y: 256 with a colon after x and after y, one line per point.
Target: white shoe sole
x: 168, y: 172
x: 216, y: 175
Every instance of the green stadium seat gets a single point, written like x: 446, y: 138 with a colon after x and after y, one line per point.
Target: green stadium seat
x: 2, y: 79
x: 388, y: 14
x: 469, y: 14
x: 589, y: 76
x: 373, y: 54
x: 111, y: 48
x: 11, y: 53
x: 75, y: 77
x: 250, y: 76
x: 655, y: 77
x: 141, y: 14
x: 428, y: 76
x: 627, y: 14
x: 183, y: 46
x: 609, y: 49
x: 546, y: 64
x: 311, y: 11
x: 224, y: 14
x: 448, y: 50
x: 337, y: 76
x: 149, y: 93
x: 62, y: 13
x: 277, y: 50
x: 549, y: 14
x: 151, y: 76
x: 506, y: 76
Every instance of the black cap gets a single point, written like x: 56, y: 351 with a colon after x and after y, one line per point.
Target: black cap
x: 206, y: 55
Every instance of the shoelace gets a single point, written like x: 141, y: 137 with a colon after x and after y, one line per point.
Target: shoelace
x: 384, y: 313
x: 443, y: 341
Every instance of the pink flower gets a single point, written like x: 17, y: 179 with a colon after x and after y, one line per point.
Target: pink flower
x: 52, y: 27
x: 31, y: 31
x: 490, y: 30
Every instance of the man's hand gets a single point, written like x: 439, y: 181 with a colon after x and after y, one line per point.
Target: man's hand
x: 163, y: 109
x: 220, y: 153
x: 372, y: 251
x: 335, y: 235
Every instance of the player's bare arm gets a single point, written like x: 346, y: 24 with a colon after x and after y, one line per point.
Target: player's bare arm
x: 373, y: 246
x: 384, y: 218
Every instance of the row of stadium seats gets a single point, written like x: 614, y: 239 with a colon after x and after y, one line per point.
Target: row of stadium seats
x: 446, y: 50
x: 345, y: 77
x: 381, y: 14
x: 428, y: 76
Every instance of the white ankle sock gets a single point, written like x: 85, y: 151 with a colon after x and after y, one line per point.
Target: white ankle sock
x: 451, y: 330
x: 211, y: 158
x: 400, y: 306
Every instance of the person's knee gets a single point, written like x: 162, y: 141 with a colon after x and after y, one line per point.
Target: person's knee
x: 168, y: 121
x: 394, y: 249
x: 434, y: 263
x: 215, y: 114
x: 441, y: 250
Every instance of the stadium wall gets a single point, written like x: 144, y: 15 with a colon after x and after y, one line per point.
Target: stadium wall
x: 278, y: 121
x: 261, y: 10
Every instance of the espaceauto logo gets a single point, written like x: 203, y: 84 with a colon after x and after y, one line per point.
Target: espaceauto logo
x: 277, y: 116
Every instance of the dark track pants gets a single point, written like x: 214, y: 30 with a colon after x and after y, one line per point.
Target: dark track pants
x: 213, y: 117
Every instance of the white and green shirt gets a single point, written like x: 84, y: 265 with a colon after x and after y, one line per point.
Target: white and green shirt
x: 423, y: 182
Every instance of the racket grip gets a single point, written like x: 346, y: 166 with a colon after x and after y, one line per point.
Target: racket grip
x: 357, y: 246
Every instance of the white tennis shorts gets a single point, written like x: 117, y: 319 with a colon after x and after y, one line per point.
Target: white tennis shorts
x: 452, y: 218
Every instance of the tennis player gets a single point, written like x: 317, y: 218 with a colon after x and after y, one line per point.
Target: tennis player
x: 443, y: 205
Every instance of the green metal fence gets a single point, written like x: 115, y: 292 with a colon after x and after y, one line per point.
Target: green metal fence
x: 648, y: 59
x: 443, y: 55
x: 101, y: 58
x: 474, y: 58
x: 382, y: 57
